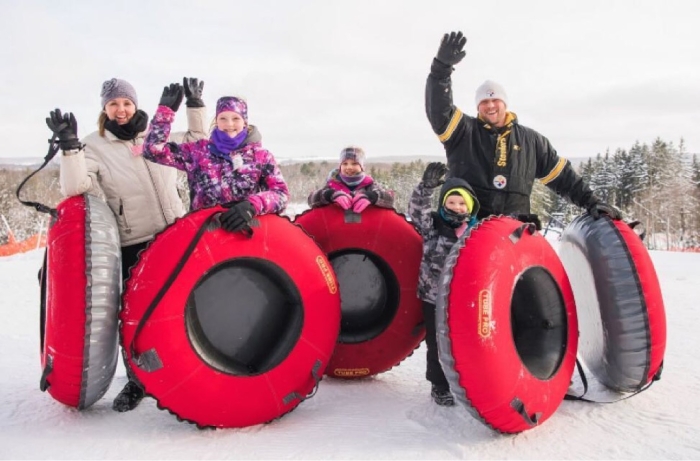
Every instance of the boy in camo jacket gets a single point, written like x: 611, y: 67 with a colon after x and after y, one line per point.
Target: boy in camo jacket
x: 457, y: 209
x: 230, y: 168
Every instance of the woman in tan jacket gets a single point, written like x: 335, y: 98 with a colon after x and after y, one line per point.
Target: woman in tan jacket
x: 142, y: 195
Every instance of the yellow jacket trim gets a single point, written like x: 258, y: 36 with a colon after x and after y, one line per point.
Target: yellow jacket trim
x: 456, y: 117
x: 502, y: 148
x: 555, y: 171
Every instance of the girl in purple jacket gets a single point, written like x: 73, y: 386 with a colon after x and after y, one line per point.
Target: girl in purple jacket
x: 231, y: 168
x: 349, y: 187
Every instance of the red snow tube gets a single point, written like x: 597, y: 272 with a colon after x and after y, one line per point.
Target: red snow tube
x: 227, y: 330
x: 506, y: 325
x: 376, y: 256
x: 620, y: 307
x: 80, y: 300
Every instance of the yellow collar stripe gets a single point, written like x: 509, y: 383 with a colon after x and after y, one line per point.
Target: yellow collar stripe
x: 510, y: 118
x: 555, y: 171
x: 456, y: 117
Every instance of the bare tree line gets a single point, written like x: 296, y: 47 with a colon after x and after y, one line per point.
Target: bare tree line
x: 657, y: 184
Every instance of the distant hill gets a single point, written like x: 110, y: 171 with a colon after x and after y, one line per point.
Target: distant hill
x: 21, y: 161
x: 384, y: 159
x: 17, y: 163
x: 24, y: 162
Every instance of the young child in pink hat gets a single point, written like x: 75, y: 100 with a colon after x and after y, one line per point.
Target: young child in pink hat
x: 349, y: 187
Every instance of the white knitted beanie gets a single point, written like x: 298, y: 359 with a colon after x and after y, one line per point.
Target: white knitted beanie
x: 490, y: 90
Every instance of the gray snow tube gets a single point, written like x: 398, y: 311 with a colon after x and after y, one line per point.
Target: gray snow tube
x: 81, y: 280
x: 622, y: 322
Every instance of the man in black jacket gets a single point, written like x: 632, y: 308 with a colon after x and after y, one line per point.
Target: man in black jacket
x: 494, y: 153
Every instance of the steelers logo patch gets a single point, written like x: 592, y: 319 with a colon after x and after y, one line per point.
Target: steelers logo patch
x: 500, y: 181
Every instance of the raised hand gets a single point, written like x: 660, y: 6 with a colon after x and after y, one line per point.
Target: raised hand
x: 451, y: 49
x: 172, y: 96
x: 65, y: 127
x: 193, y: 92
x: 432, y: 176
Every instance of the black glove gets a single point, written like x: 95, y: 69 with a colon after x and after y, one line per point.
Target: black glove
x: 531, y: 218
x: 372, y: 196
x: 65, y: 128
x: 432, y: 176
x: 451, y: 49
x: 238, y: 216
x: 638, y: 228
x: 328, y: 195
x: 193, y: 92
x: 598, y: 208
x: 172, y: 96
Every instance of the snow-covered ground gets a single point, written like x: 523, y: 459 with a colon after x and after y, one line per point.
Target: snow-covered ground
x: 389, y: 416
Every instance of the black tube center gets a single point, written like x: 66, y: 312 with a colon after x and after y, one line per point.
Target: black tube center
x: 369, y: 294
x: 244, y: 316
x: 539, y: 322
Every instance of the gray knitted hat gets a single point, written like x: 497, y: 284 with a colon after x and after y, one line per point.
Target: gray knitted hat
x: 353, y: 153
x: 118, y: 88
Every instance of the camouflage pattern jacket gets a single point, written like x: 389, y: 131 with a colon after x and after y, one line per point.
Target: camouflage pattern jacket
x: 438, y: 237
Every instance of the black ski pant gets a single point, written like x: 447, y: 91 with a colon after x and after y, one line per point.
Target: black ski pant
x: 433, y: 371
x: 129, y: 259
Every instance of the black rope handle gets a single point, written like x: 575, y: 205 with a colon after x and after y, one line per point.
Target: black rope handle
x: 517, y: 234
x: 581, y: 398
x: 149, y: 360
x: 44, y: 380
x: 136, y: 357
x: 40, y: 207
x: 584, y: 381
x: 316, y: 375
x: 519, y: 406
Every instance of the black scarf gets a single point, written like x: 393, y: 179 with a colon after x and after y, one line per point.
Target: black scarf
x: 452, y: 219
x: 129, y: 130
x: 443, y: 227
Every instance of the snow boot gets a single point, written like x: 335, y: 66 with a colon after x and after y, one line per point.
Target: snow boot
x: 129, y: 398
x: 442, y: 396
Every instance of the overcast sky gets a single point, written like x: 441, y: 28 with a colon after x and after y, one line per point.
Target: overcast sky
x: 319, y: 75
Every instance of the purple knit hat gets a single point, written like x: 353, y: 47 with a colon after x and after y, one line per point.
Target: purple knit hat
x: 233, y: 104
x: 117, y: 88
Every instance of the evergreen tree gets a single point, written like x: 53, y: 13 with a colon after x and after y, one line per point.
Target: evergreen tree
x: 696, y: 171
x: 626, y: 178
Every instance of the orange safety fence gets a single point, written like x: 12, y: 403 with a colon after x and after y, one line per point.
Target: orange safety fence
x: 28, y: 244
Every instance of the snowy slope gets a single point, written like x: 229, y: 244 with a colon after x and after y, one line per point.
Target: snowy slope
x: 389, y: 416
